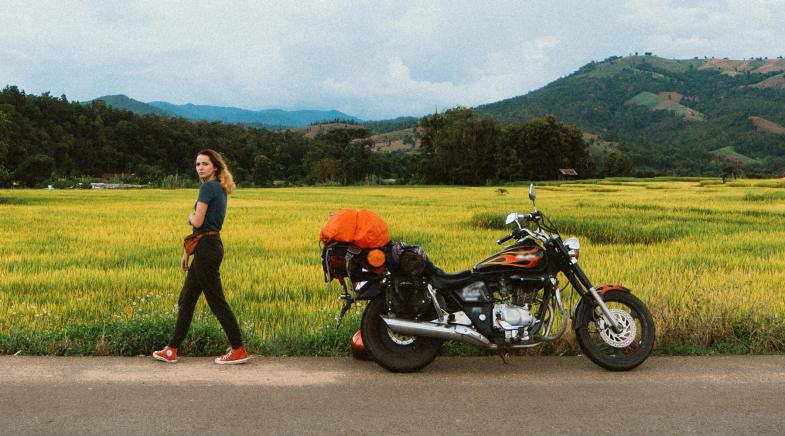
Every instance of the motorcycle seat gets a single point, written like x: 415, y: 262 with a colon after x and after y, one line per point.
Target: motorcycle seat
x: 440, y: 279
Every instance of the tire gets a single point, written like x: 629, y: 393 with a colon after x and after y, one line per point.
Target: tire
x: 396, y: 353
x: 616, y: 352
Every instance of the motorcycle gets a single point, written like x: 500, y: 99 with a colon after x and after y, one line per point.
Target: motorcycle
x: 508, y: 301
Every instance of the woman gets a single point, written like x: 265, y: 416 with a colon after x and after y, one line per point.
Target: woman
x: 204, y: 275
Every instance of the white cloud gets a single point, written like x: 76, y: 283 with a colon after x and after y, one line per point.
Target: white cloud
x: 732, y: 28
x: 373, y: 60
x: 500, y: 75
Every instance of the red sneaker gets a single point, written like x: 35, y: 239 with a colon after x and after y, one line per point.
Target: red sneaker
x: 168, y: 355
x: 233, y: 356
x: 358, y: 348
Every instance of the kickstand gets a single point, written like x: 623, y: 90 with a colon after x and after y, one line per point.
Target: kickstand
x: 505, y: 358
x: 347, y: 303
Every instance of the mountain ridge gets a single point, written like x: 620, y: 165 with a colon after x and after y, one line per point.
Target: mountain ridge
x: 275, y: 118
x: 122, y: 101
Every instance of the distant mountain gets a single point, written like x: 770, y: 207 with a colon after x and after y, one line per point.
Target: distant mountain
x: 269, y: 118
x: 140, y: 108
x: 678, y: 116
x: 276, y: 117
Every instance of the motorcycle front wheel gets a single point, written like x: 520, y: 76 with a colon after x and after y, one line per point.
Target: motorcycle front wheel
x: 607, y: 348
x: 393, y: 351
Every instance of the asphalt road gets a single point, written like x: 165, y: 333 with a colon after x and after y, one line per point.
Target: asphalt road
x: 531, y: 395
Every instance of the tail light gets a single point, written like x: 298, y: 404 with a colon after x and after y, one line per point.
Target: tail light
x: 376, y: 258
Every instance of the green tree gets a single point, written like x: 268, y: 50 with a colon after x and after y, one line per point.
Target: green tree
x: 326, y: 170
x: 617, y: 165
x: 35, y: 169
x: 538, y: 149
x: 356, y: 161
x: 262, y: 170
x: 348, y: 147
x: 5, y: 176
x: 4, y: 127
x: 731, y: 172
x: 458, y: 148
x: 149, y: 173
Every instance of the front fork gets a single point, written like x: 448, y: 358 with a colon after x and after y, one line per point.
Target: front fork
x: 616, y: 326
x: 583, y: 281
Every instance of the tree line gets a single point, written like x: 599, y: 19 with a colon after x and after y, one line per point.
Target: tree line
x: 459, y: 147
x: 46, y: 139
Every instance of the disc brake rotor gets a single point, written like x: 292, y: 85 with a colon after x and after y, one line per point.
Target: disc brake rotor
x: 628, y: 333
x: 399, y: 338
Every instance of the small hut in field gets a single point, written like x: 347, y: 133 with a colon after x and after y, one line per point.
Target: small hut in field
x: 567, y: 174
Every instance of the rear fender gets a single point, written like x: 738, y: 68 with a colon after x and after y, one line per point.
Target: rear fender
x: 369, y: 290
x: 577, y: 319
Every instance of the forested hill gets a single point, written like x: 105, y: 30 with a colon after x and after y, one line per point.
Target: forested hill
x: 680, y: 116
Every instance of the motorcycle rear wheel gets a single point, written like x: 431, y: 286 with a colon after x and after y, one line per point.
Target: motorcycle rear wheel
x: 394, y: 352
x: 608, y: 349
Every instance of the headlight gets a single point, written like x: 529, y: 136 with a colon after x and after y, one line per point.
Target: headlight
x: 573, y: 247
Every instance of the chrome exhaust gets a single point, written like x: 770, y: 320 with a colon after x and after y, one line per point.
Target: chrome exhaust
x: 438, y: 331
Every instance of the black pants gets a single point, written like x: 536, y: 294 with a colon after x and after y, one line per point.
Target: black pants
x: 204, y: 276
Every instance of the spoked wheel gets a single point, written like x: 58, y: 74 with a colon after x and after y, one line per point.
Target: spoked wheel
x: 616, y: 351
x: 394, y: 351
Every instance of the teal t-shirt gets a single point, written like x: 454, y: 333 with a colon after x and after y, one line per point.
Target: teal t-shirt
x: 211, y: 193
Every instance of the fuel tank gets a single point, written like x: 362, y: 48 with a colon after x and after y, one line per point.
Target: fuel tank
x: 528, y: 257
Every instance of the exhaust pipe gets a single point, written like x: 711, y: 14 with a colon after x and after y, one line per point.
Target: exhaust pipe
x: 438, y: 331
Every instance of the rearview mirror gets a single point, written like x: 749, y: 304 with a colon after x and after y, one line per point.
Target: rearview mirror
x: 511, y: 218
x: 532, y: 192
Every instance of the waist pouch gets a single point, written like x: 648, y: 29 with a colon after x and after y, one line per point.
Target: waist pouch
x: 191, y: 241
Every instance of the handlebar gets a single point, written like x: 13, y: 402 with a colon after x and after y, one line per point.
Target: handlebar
x: 533, y: 216
x: 504, y: 239
x: 520, y: 232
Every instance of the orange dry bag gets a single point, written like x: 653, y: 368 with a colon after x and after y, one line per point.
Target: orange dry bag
x: 362, y: 228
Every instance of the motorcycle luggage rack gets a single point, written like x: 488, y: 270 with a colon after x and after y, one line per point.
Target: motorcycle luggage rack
x: 343, y: 273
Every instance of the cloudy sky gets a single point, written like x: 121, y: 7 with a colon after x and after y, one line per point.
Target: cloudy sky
x: 374, y: 60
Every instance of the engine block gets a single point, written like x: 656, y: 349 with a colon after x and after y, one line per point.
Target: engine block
x: 513, y: 320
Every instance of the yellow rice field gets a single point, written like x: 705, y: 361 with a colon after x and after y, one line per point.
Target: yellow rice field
x: 76, y: 266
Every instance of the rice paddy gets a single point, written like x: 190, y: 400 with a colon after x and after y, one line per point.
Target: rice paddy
x: 96, y: 272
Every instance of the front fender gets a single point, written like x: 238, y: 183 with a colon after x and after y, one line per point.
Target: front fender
x: 579, y: 314
x: 607, y: 288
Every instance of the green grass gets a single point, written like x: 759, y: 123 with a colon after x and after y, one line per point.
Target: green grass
x: 92, y: 272
x: 655, y: 102
x: 646, y: 99
x: 729, y: 153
